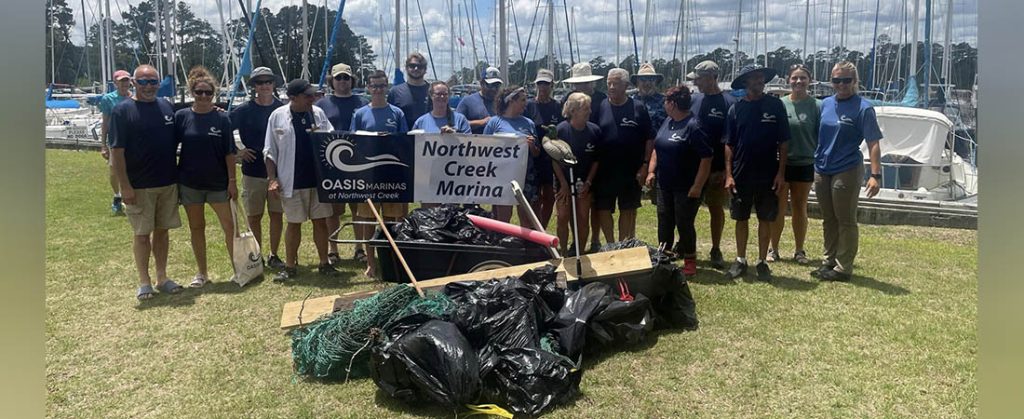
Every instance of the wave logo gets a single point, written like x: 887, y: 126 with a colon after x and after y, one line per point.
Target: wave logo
x: 391, y: 123
x: 675, y: 138
x: 336, y: 152
x: 168, y: 120
x: 626, y: 122
x: 214, y: 132
x: 845, y: 120
x: 767, y: 117
x: 255, y: 257
x: 802, y: 117
x: 715, y: 113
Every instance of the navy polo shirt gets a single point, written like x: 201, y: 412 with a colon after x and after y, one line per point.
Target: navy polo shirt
x: 250, y: 119
x: 145, y: 130
x: 206, y: 140
x: 680, y: 145
x: 414, y: 101
x: 754, y: 130
x: 585, y: 144
x: 626, y: 129
x: 339, y: 110
x: 711, y: 111
x: 305, y: 156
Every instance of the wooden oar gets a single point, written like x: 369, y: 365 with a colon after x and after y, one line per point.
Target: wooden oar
x: 412, y: 278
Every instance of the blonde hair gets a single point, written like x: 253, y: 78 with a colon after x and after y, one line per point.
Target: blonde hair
x: 851, y: 67
x: 200, y: 74
x: 575, y: 102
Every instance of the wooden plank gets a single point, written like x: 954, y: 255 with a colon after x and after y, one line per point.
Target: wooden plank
x: 310, y: 311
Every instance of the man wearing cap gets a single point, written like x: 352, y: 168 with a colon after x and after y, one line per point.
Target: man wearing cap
x: 625, y: 152
x: 755, y: 160
x: 250, y: 119
x: 479, y: 107
x: 144, y: 154
x: 290, y: 156
x: 710, y: 107
x: 123, y: 84
x: 646, y: 81
x: 412, y: 97
x: 378, y: 116
x: 339, y: 107
x: 582, y: 81
x: 544, y: 110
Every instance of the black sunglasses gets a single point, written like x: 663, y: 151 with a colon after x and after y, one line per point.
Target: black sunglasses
x: 543, y: 83
x: 842, y: 80
x: 262, y: 82
x: 147, y: 82
x: 377, y: 86
x: 342, y: 77
x: 416, y: 66
x: 202, y: 93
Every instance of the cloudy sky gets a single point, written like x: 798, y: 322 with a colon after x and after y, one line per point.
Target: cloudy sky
x: 712, y: 24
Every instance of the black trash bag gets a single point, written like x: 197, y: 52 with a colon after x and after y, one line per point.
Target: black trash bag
x: 429, y: 362
x: 622, y: 322
x: 654, y: 253
x: 580, y: 306
x: 553, y: 297
x: 448, y: 223
x: 530, y: 380
x: 675, y: 307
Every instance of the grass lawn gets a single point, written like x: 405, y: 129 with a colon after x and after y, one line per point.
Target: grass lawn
x: 898, y: 340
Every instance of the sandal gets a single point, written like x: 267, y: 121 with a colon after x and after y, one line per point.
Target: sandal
x: 145, y: 292
x: 169, y: 287
x: 198, y: 281
x: 801, y: 258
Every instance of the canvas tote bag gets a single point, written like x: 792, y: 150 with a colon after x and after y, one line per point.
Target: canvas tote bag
x: 246, y: 256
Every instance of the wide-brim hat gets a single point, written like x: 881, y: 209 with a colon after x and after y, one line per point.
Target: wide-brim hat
x: 259, y: 73
x: 646, y: 70
x: 739, y: 81
x: 582, y: 73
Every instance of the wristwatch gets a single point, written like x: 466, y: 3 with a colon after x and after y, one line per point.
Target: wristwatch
x: 877, y: 176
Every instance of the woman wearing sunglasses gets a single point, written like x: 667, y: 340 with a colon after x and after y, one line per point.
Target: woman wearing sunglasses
x: 847, y: 120
x: 509, y: 106
x: 206, y: 166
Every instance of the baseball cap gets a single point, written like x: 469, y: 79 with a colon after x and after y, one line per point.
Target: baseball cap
x: 261, y: 73
x: 121, y: 74
x: 545, y: 75
x: 341, y: 68
x: 704, y: 68
x: 492, y: 75
x: 300, y: 86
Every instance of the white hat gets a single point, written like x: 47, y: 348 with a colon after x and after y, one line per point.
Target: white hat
x: 492, y: 75
x: 581, y: 73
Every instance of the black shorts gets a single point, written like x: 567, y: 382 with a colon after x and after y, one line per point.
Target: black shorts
x: 760, y: 196
x: 622, y: 189
x: 800, y: 173
x: 545, y: 173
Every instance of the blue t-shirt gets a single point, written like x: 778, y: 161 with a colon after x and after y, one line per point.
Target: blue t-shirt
x: 109, y: 100
x: 145, y: 130
x: 517, y: 125
x: 305, y: 158
x: 711, y: 111
x: 680, y: 145
x: 626, y: 129
x: 655, y: 104
x: 414, y: 101
x: 386, y: 119
x: 432, y: 124
x: 339, y: 110
x: 586, y: 147
x: 754, y: 130
x: 250, y: 119
x: 844, y: 125
x: 205, y: 140
x: 476, y: 107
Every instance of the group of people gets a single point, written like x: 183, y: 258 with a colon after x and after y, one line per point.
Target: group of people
x: 754, y: 152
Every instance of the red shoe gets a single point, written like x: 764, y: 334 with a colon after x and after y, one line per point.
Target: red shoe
x: 690, y: 267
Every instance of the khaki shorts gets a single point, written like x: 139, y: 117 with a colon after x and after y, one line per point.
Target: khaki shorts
x: 305, y: 205
x: 715, y: 193
x: 387, y: 209
x: 255, y: 196
x: 154, y: 208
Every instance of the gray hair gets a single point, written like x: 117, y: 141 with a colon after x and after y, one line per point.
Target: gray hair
x: 619, y: 73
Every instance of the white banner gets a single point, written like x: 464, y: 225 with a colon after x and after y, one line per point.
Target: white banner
x: 469, y: 168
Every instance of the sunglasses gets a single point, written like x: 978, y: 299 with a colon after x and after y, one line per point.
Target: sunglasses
x: 543, y: 83
x: 342, y: 77
x: 262, y: 82
x: 377, y: 86
x: 202, y: 93
x: 842, y: 80
x: 416, y: 66
x: 147, y: 82
x: 442, y: 94
x: 494, y: 85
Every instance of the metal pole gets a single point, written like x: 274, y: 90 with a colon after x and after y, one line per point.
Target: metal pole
x: 618, y: 30
x: 104, y: 72
x: 807, y: 18
x: 451, y: 36
x: 305, y: 42
x: 503, y: 39
x: 109, y: 51
x: 551, y: 35
x: 913, y: 41
x: 736, y: 54
x: 158, y: 26
x: 842, y: 22
x: 398, y: 35
x: 927, y: 49
x: 946, y: 50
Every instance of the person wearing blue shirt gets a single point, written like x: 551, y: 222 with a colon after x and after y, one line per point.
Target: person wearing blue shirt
x: 250, y: 119
x: 584, y: 138
x: 510, y: 120
x: 143, y: 150
x: 378, y: 116
x: 646, y: 81
x: 441, y: 118
x: 479, y: 107
x: 206, y: 167
x: 628, y: 141
x: 757, y: 130
x: 412, y: 97
x: 123, y: 82
x: 709, y: 107
x: 340, y: 106
x: 681, y: 162
x: 544, y: 111
x: 847, y: 120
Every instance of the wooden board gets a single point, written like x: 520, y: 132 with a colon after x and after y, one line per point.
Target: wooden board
x: 595, y: 266
x: 310, y: 311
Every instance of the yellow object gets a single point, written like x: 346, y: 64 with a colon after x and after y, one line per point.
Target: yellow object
x: 486, y: 409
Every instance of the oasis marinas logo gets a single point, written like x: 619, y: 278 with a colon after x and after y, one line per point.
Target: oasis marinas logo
x: 340, y: 154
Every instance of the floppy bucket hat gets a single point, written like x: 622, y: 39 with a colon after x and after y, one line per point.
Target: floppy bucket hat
x: 582, y: 73
x: 646, y: 70
x: 259, y: 73
x: 738, y: 82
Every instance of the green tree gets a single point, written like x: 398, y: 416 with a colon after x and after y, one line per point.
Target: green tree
x: 59, y: 21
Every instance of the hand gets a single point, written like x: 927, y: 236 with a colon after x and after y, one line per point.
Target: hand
x: 274, y: 188
x: 218, y: 108
x: 232, y: 189
x: 562, y: 194
x: 777, y: 183
x: 694, y: 192
x: 128, y: 195
x: 650, y: 180
x: 247, y: 155
x: 105, y: 152
x: 730, y: 184
x: 872, y: 187
x: 447, y: 130
x: 584, y: 189
x: 641, y: 176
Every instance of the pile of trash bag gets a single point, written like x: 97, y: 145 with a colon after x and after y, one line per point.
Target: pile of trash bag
x: 448, y: 224
x: 519, y: 342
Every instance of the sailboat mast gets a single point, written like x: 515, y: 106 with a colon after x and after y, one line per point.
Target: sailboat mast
x: 451, y: 38
x: 647, y: 24
x: 842, y: 24
x: 927, y: 49
x: 503, y: 39
x: 53, y: 64
x: 913, y: 42
x: 158, y: 27
x: 807, y: 17
x: 398, y: 35
x: 551, y: 35
x: 305, y: 42
x: 736, y: 54
x: 618, y: 31
x: 104, y: 71
x: 946, y: 47
x: 874, y: 49
x: 109, y: 50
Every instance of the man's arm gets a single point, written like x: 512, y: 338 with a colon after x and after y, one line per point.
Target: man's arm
x: 121, y: 171
x: 104, y: 145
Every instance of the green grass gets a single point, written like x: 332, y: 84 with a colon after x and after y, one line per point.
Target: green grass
x: 899, y: 340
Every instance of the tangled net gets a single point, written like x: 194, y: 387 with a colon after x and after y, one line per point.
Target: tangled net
x: 337, y: 346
